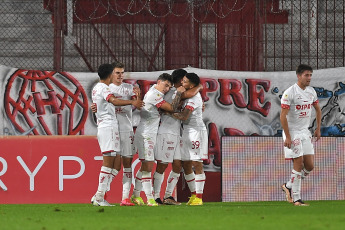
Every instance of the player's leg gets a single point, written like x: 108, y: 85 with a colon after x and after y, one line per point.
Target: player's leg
x: 140, y: 149
x: 136, y: 199
x: 200, y: 140
x: 296, y: 177
x: 307, y: 162
x: 126, y: 181
x: 116, y: 168
x: 294, y: 153
x: 146, y: 180
x: 171, y: 183
x: 190, y: 178
x: 308, y: 155
x: 158, y: 178
x: 108, y: 139
x: 199, y: 182
x: 103, y: 181
x: 127, y: 152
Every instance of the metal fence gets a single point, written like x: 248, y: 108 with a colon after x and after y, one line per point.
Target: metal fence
x: 239, y: 35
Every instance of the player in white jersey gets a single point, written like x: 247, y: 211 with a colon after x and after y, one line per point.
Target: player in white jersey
x: 124, y: 91
x: 167, y: 148
x: 195, y: 141
x: 107, y: 128
x: 146, y: 133
x: 296, y: 109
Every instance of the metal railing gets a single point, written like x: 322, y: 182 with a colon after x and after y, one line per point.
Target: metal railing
x: 239, y: 35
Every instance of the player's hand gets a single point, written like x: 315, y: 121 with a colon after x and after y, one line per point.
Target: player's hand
x: 181, y: 89
x: 137, y: 92
x: 287, y: 143
x: 93, y: 107
x: 138, y: 103
x: 317, y: 134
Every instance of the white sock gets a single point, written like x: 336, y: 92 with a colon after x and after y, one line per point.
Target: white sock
x: 190, y: 179
x: 126, y: 182
x: 171, y: 183
x: 296, y: 185
x: 103, y: 180
x: 200, y: 183
x: 305, y: 173
x: 138, y: 185
x: 157, y: 184
x: 146, y: 181
x: 289, y: 182
x: 114, y: 173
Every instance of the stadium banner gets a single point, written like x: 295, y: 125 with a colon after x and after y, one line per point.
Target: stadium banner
x: 254, y: 168
x: 54, y: 169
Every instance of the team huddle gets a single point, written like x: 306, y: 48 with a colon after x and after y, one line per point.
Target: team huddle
x: 172, y: 101
x: 160, y: 137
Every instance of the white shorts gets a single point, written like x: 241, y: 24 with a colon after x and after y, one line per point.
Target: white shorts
x: 127, y: 144
x: 194, y: 145
x: 108, y: 140
x: 167, y: 148
x: 301, y: 145
x: 144, y: 144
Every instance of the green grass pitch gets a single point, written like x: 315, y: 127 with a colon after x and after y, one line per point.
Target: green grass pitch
x: 235, y: 215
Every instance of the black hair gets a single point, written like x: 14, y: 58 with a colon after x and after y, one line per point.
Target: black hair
x: 302, y: 67
x: 178, y: 74
x: 165, y: 77
x: 105, y: 70
x: 193, y: 78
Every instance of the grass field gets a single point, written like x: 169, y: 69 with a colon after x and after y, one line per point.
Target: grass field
x: 243, y: 215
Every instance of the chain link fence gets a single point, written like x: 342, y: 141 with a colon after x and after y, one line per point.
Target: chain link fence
x: 238, y: 35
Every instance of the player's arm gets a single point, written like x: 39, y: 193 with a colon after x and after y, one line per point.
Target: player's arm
x: 94, y: 111
x: 183, y: 115
x: 175, y: 103
x: 192, y: 92
x: 283, y: 120
x: 119, y: 102
x: 317, y: 132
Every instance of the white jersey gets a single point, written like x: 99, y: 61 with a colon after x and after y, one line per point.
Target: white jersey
x: 105, y: 111
x: 149, y: 114
x: 195, y: 121
x: 123, y: 113
x: 168, y: 123
x: 300, y: 103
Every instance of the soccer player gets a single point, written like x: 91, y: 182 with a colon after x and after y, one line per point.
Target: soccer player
x: 146, y: 133
x: 296, y: 109
x: 107, y: 129
x: 195, y: 141
x: 167, y: 149
x: 123, y: 91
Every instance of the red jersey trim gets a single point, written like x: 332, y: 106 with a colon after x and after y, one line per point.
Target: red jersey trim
x: 285, y: 106
x: 108, y: 151
x: 189, y: 107
x: 109, y: 96
x: 160, y: 104
x: 315, y: 102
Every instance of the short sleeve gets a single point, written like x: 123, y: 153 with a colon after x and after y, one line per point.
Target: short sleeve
x: 106, y: 93
x: 285, y: 100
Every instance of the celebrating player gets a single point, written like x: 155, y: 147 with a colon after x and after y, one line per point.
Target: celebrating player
x: 195, y: 141
x: 146, y: 133
x: 296, y: 108
x: 107, y: 129
x: 167, y: 149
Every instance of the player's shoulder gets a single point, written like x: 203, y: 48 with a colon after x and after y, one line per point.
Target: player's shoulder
x: 100, y: 86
